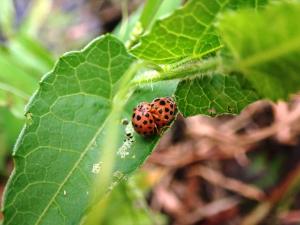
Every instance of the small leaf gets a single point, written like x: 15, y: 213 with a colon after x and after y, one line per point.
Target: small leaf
x: 213, y: 95
x: 266, y: 47
x: 188, y: 32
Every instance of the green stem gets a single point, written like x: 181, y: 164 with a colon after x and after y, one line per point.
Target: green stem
x: 104, y: 179
x: 124, y: 22
x: 147, y: 17
x: 187, y: 70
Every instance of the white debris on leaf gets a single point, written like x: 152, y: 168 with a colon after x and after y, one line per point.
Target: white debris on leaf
x: 97, y: 167
x: 118, y: 174
x: 123, y: 151
x: 65, y: 193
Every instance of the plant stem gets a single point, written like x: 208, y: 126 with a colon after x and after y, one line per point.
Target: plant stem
x: 104, y: 178
x: 147, y: 17
x: 184, y: 71
x: 124, y: 22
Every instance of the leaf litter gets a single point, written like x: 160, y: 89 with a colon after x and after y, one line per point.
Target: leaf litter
x: 230, y: 169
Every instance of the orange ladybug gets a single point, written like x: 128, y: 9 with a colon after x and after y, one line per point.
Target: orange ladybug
x: 149, y: 118
x: 163, y: 111
x: 142, y: 120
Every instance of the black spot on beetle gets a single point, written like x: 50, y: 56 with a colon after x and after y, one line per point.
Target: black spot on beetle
x: 133, y: 115
x: 171, y: 112
x: 150, y: 128
x: 166, y: 117
x: 167, y: 109
x: 135, y: 125
x: 145, y: 122
x: 172, y: 105
x: 162, y: 102
x: 147, y: 115
x: 160, y: 111
x: 138, y: 117
x: 141, y: 126
x: 151, y: 121
x: 156, y: 100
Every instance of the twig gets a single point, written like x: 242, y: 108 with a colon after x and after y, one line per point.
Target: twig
x: 213, y: 176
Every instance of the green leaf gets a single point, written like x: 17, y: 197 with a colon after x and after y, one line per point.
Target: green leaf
x: 188, y: 32
x: 65, y: 117
x: 266, y: 47
x: 213, y: 95
x: 58, y: 147
x: 58, y: 151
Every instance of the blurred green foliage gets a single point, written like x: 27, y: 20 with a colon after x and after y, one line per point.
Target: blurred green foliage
x: 128, y: 201
x: 23, y: 60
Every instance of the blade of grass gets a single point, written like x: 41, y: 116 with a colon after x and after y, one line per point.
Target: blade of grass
x: 38, y: 13
x: 6, y: 16
x: 150, y: 9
